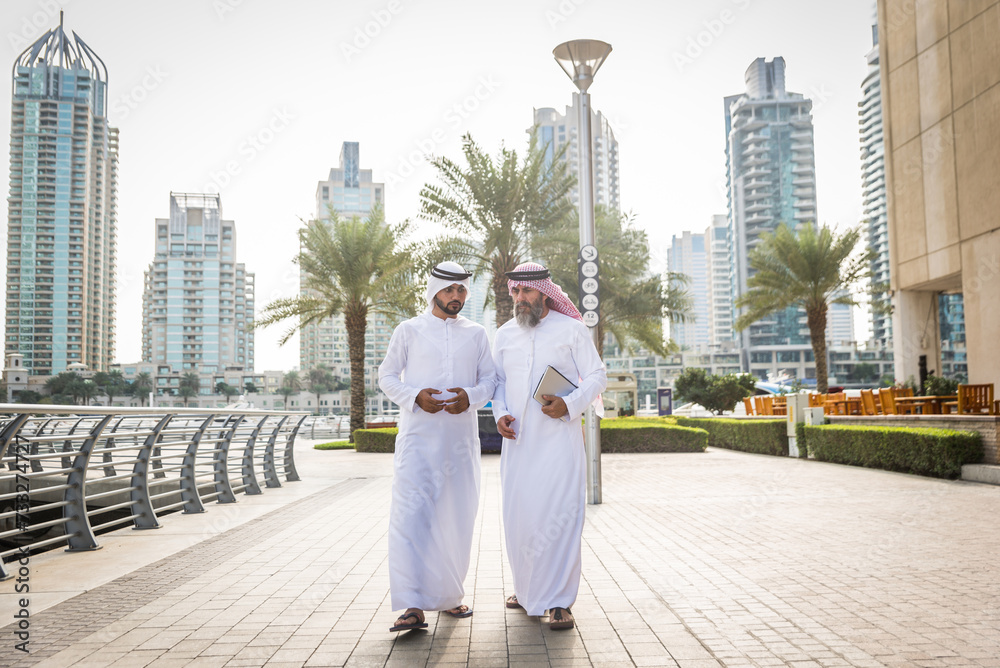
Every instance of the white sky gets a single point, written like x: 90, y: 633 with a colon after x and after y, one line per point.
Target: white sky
x: 192, y: 82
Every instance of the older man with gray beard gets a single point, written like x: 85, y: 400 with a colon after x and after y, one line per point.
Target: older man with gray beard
x: 543, y: 467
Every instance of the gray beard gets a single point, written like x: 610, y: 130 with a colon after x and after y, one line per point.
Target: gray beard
x: 529, y: 318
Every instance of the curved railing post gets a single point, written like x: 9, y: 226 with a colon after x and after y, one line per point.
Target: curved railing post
x: 291, y: 474
x: 249, y: 477
x: 141, y: 503
x: 80, y: 535
x: 109, y: 470
x: 189, y: 483
x: 220, y: 463
x: 9, y: 433
x: 270, y: 473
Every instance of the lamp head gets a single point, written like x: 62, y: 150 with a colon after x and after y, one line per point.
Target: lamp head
x: 580, y: 59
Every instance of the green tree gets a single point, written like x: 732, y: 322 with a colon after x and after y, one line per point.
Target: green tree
x: 61, y: 386
x: 83, y: 389
x: 718, y: 394
x: 810, y: 270
x: 249, y: 387
x: 27, y: 397
x: 320, y: 380
x: 351, y: 268
x: 634, y: 301
x: 141, y: 386
x: 186, y: 392
x: 494, y: 207
x: 292, y: 380
x: 226, y: 390
x: 863, y: 373
x: 286, y: 392
x: 112, y: 384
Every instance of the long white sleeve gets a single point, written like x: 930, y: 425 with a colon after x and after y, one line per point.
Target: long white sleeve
x: 499, y: 398
x: 593, y: 374
x: 486, y: 377
x: 390, y: 373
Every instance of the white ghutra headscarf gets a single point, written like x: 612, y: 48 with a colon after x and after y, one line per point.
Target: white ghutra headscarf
x: 443, y: 275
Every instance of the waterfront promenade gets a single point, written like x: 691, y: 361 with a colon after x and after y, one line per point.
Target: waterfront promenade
x: 693, y: 560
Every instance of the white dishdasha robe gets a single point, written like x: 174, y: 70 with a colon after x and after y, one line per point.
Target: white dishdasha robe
x: 435, y: 486
x: 544, y: 469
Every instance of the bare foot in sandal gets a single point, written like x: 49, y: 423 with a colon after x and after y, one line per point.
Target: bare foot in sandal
x: 560, y: 618
x: 413, y: 618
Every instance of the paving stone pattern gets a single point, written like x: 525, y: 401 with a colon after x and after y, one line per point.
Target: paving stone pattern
x: 693, y: 560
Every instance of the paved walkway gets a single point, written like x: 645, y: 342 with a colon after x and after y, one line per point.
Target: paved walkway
x: 693, y: 560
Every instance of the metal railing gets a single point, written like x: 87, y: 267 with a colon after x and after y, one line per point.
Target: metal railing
x: 67, y: 473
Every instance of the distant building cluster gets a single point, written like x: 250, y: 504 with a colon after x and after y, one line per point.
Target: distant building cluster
x: 930, y: 190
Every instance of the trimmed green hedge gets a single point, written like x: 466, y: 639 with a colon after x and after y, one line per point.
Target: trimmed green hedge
x: 618, y: 435
x: 375, y: 440
x: 762, y: 437
x: 932, y: 452
x: 650, y: 435
x: 334, y: 445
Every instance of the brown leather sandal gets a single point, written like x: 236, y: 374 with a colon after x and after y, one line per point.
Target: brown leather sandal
x: 512, y: 602
x: 560, y: 618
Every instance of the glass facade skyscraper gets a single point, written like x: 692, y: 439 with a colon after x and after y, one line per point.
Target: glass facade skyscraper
x: 349, y: 191
x: 873, y: 195
x: 198, y: 301
x: 61, y: 232
x: 555, y: 130
x: 771, y: 178
x: 687, y: 255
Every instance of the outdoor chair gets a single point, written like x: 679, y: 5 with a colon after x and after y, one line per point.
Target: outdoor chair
x: 768, y: 403
x: 758, y: 404
x: 868, y: 403
x: 886, y: 398
x: 748, y: 404
x: 816, y: 400
x: 834, y: 407
x: 779, y: 406
x: 975, y: 399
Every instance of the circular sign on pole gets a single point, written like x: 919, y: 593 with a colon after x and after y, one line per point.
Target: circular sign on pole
x: 589, y: 269
x: 590, y: 302
x: 589, y: 285
x: 588, y: 253
x: 590, y: 318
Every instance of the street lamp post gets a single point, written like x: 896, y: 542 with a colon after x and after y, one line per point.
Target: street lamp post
x: 580, y: 59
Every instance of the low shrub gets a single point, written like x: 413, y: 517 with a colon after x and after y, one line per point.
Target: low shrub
x: 762, y: 437
x: 650, y: 435
x: 375, y: 440
x: 939, y: 453
x: 334, y: 445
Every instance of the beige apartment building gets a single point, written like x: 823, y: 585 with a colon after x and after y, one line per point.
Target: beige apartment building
x: 940, y: 64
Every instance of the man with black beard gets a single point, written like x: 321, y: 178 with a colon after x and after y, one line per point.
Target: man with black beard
x: 543, y: 468
x: 439, y: 370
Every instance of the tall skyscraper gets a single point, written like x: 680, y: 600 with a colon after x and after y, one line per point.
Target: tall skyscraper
x: 350, y: 191
x: 687, y: 255
x: 198, y: 301
x: 61, y: 231
x: 873, y: 194
x: 555, y: 130
x: 720, y: 299
x: 771, y: 178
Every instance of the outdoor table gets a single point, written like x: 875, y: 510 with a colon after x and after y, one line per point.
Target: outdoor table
x: 846, y: 406
x: 930, y: 405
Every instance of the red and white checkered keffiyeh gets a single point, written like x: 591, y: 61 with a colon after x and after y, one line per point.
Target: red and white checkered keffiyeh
x: 560, y: 300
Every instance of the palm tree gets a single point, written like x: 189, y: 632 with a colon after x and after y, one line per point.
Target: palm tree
x: 633, y: 300
x: 142, y: 386
x: 811, y: 271
x: 112, y: 383
x: 350, y: 268
x: 292, y: 380
x: 495, y: 206
x: 286, y: 391
x: 320, y: 380
x: 186, y: 392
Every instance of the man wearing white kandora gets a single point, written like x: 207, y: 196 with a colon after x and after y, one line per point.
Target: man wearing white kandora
x: 439, y: 370
x: 543, y: 467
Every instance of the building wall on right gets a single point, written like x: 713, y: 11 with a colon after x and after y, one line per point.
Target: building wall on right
x: 940, y: 63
